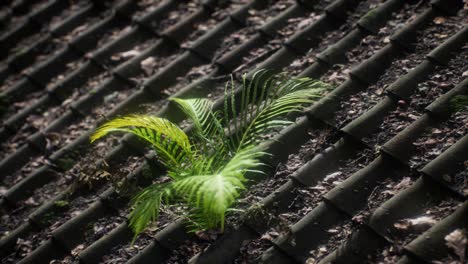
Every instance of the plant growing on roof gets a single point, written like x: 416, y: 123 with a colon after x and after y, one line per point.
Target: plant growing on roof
x: 208, y: 169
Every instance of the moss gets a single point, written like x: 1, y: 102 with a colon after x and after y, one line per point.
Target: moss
x: 21, y: 51
x: 70, y: 158
x: 61, y: 203
x: 65, y: 163
x: 47, y: 218
x: 458, y: 103
x: 370, y: 15
x: 147, y: 172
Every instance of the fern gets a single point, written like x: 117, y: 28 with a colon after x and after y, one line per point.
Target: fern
x: 208, y: 170
x: 147, y: 205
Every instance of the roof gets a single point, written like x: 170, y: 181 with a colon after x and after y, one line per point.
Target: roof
x: 375, y: 172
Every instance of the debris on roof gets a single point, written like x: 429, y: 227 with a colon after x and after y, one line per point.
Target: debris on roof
x: 375, y: 172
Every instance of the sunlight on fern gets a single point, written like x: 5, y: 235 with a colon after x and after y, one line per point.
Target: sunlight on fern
x: 208, y: 169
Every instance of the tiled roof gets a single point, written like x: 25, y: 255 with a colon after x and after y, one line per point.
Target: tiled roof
x: 375, y: 172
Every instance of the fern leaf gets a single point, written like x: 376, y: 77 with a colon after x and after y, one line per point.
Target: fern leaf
x: 170, y: 142
x: 273, y: 103
x: 205, y: 121
x: 147, y: 205
x: 243, y: 161
x: 210, y: 195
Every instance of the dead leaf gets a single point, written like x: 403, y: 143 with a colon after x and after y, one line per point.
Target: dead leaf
x: 413, y: 117
x: 130, y: 53
x: 3, y: 190
x: 332, y: 176
x: 79, y: 29
x: 304, y: 23
x: 77, y: 250
x: 439, y: 20
x: 296, y: 63
x: 404, y: 183
x: 336, y: 183
x: 148, y: 65
x: 423, y: 220
x: 266, y: 236
x: 441, y: 36
x: 401, y: 225
x: 31, y: 202
x: 115, y: 57
x: 431, y: 141
x: 418, y: 224
x: 208, y: 235
x: 457, y: 241
x: 274, y: 233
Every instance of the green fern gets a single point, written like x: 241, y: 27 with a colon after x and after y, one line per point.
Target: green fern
x: 208, y: 170
x: 169, y: 141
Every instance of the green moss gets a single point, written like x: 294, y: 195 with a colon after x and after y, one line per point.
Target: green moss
x: 70, y: 158
x: 147, y: 172
x: 61, y: 203
x: 458, y: 103
x: 47, y: 218
x: 371, y: 14
x: 65, y: 163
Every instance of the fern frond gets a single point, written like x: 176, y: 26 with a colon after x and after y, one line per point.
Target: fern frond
x: 169, y: 141
x: 211, y: 195
x: 252, y: 93
x: 212, y: 142
x: 206, y: 122
x: 266, y: 99
x: 146, y: 206
x: 243, y: 161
